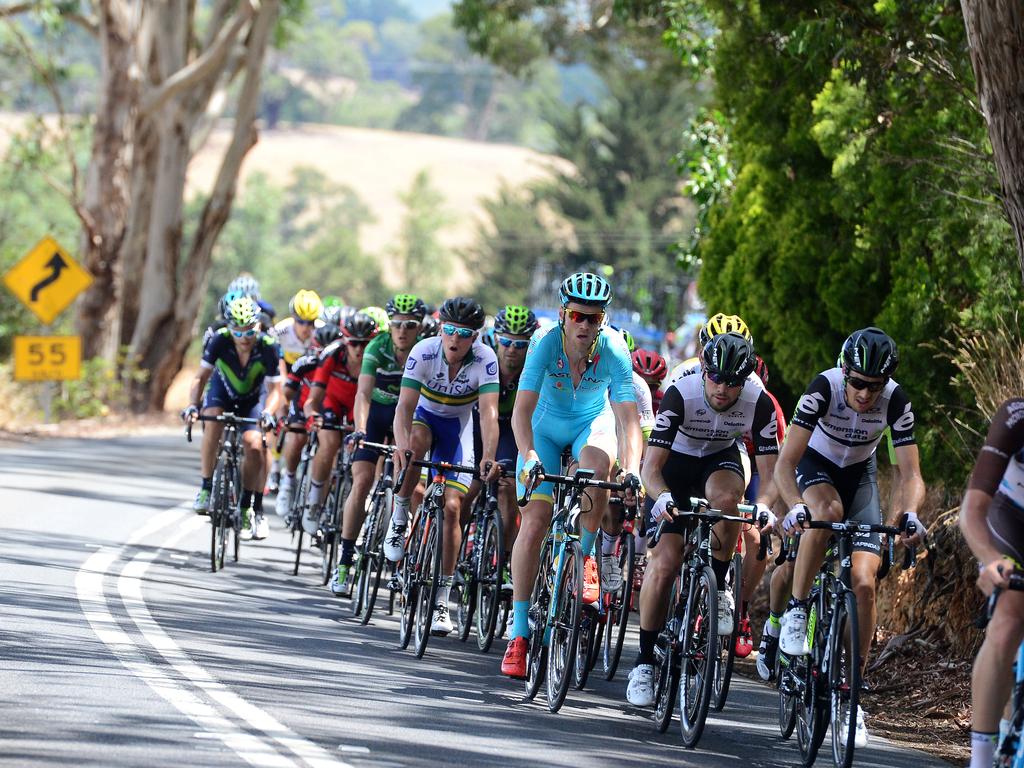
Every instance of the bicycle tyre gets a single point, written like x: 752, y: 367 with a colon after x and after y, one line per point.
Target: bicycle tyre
x: 408, y: 593
x: 463, y: 591
x: 586, y: 647
x: 380, y: 509
x: 787, y: 701
x: 666, y: 669
x: 565, y: 624
x: 329, y: 545
x: 618, y: 615
x: 429, y: 580
x: 216, y: 504
x: 813, y: 711
x: 540, y: 598
x: 844, y: 678
x: 726, y: 658
x: 490, y: 572
x: 698, y: 653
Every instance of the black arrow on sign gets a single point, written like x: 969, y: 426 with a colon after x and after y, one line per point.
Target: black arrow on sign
x: 57, y: 264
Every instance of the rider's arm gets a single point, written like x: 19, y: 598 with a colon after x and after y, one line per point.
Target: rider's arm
x: 670, y: 416
x: 315, y: 401
x: 275, y: 398
x: 785, y: 468
x: 195, y: 392
x: 407, y: 399
x: 764, y: 434
x: 654, y: 482
x: 522, y: 421
x: 364, y: 392
x: 912, y: 490
x: 631, y: 439
x: 488, y: 405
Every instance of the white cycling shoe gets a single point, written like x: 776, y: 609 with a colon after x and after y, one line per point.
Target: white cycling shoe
x: 640, y: 689
x: 860, y: 735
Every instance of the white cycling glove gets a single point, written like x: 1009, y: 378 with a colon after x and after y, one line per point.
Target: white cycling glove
x: 764, y: 517
x: 790, y: 525
x: 661, y: 506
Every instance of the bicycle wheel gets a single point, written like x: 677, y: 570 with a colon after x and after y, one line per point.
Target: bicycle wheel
x: 618, y: 611
x: 297, y: 509
x: 813, y: 711
x: 844, y: 678
x: 365, y: 564
x: 490, y: 572
x: 429, y: 578
x: 666, y: 675
x: 699, y: 650
x: 567, y: 607
x: 408, y: 581
x: 217, y: 504
x: 332, y: 536
x: 586, y: 647
x: 463, y: 592
x: 377, y: 562
x: 726, y: 657
x: 789, y: 697
x: 540, y: 600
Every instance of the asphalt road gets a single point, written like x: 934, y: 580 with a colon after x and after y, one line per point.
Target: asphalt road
x: 118, y: 647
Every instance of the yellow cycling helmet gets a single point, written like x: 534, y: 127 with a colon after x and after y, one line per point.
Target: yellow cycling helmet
x: 306, y: 305
x: 722, y: 323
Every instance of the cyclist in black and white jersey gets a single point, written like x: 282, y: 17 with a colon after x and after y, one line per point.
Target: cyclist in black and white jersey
x: 992, y: 521
x: 693, y: 451
x: 838, y: 424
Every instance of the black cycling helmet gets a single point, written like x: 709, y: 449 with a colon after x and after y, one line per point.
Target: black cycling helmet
x: 429, y: 327
x: 517, y: 320
x: 405, y: 304
x: 462, y: 310
x: 360, y: 326
x: 326, y: 333
x: 729, y: 355
x: 870, y: 352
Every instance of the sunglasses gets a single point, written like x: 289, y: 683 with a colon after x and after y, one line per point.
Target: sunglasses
x: 357, y: 342
x: 719, y: 378
x: 861, y: 384
x: 244, y: 333
x: 514, y: 343
x: 595, y: 318
x: 300, y: 321
x: 405, y: 325
x: 453, y: 330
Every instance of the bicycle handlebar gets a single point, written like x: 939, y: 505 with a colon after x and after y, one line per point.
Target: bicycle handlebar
x: 223, y: 418
x: 443, y: 466
x: 849, y: 528
x: 701, y: 508
x: 582, y: 479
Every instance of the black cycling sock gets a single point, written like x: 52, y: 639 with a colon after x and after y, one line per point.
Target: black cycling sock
x: 348, y: 551
x: 745, y: 609
x: 794, y: 603
x: 257, y: 502
x: 721, y: 569
x: 207, y: 483
x: 648, y: 637
x: 246, y: 499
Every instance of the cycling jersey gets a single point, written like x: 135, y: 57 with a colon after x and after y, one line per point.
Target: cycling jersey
x: 1000, y: 464
x: 332, y: 374
x: 292, y: 347
x: 300, y: 377
x: 780, y: 419
x: 842, y: 435
x: 380, y: 360
x: 687, y: 424
x: 241, y: 381
x: 644, y: 404
x: 426, y: 371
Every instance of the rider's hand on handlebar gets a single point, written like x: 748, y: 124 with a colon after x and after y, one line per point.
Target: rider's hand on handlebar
x: 190, y: 414
x: 995, y: 574
x: 792, y: 523
x: 909, y: 539
x: 531, y: 465
x: 764, y: 517
x: 355, y: 438
x: 490, y: 470
x: 314, y: 422
x: 634, y: 490
x: 660, y: 510
x: 267, y: 421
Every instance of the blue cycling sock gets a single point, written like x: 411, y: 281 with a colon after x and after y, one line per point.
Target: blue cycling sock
x: 520, y: 620
x: 587, y: 539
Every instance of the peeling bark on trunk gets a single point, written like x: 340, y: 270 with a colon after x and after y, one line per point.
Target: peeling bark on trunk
x: 995, y: 33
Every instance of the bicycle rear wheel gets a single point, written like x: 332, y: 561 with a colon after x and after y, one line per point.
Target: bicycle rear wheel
x: 332, y: 536
x: 217, y: 505
x: 587, y: 646
x: 789, y: 697
x: 726, y: 656
x: 699, y: 651
x: 463, y: 591
x: 844, y: 679
x: 618, y: 610
x: 567, y: 599
x: 429, y: 578
x: 376, y: 563
x: 666, y: 676
x: 490, y: 572
x: 813, y: 711
x: 540, y: 600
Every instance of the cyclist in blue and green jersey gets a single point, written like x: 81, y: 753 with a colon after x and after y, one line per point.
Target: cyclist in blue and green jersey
x: 576, y: 391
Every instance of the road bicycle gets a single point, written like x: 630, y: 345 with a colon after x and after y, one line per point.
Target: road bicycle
x: 611, y: 633
x: 368, y: 567
x: 1010, y: 749
x: 328, y: 536
x: 225, y: 515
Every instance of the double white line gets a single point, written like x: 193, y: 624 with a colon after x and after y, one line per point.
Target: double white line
x: 182, y: 695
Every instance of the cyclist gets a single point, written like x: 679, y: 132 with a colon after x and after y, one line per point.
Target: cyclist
x: 431, y: 325
x: 576, y: 390
x: 715, y: 325
x: 990, y: 519
x: 444, y: 378
x: 835, y: 430
x: 652, y: 368
x: 377, y: 392
x: 236, y: 364
x: 332, y: 400
x: 296, y: 387
x: 694, y: 452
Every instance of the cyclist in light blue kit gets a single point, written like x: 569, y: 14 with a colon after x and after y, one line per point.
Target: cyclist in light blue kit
x: 576, y: 390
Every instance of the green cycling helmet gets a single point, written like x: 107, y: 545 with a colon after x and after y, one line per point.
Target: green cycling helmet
x: 630, y: 341
x: 242, y: 312
x: 405, y: 304
x: 516, y: 320
x: 378, y: 314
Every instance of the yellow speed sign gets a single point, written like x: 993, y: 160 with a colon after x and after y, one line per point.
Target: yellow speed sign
x: 47, y: 358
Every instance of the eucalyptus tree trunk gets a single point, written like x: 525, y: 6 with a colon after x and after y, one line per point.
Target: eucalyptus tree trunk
x: 995, y: 33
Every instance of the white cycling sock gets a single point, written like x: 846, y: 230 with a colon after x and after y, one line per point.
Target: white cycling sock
x: 608, y: 543
x: 983, y: 749
x: 315, y: 489
x: 444, y: 589
x: 400, y: 516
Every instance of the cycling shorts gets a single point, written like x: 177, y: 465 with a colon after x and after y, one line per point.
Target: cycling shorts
x: 451, y: 441
x: 219, y: 396
x: 857, y: 486
x: 687, y: 476
x: 379, y: 425
x: 1006, y: 522
x: 552, y: 435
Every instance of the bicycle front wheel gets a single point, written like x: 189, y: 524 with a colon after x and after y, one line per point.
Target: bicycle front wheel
x: 726, y: 657
x: 490, y: 573
x: 540, y: 600
x: 844, y: 679
x: 332, y: 537
x: 409, y: 582
x: 567, y: 608
x: 699, y: 643
x: 788, y: 684
x: 619, y: 607
x: 813, y: 711
x: 463, y: 591
x: 429, y: 578
x: 373, y: 567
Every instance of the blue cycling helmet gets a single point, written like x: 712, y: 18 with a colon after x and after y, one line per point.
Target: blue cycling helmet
x: 585, y: 288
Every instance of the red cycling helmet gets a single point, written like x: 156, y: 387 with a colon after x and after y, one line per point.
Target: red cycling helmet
x: 761, y: 369
x: 648, y: 363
